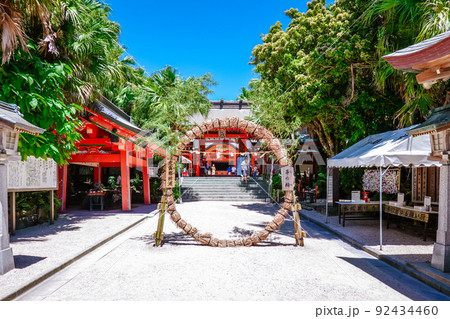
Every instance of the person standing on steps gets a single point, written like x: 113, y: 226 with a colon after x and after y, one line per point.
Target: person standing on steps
x: 244, y: 168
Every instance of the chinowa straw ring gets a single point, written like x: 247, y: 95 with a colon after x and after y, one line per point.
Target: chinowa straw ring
x: 258, y: 132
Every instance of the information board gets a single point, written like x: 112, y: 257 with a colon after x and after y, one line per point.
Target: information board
x: 34, y: 173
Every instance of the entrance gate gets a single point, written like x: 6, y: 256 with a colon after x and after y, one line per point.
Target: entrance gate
x: 168, y: 202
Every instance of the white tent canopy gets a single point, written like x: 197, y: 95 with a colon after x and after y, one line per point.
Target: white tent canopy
x: 393, y: 148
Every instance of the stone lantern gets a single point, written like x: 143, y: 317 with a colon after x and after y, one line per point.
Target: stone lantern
x: 438, y: 128
x: 11, y: 125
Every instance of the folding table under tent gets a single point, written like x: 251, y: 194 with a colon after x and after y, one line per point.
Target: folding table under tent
x: 393, y: 148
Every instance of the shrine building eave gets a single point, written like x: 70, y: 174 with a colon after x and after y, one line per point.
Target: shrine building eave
x: 11, y: 117
x: 412, y: 58
x: 439, y: 119
x: 109, y: 117
x: 430, y: 59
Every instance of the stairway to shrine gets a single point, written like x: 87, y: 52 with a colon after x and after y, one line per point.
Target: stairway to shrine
x: 223, y: 189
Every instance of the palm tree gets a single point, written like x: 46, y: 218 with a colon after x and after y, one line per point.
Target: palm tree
x: 165, y: 103
x: 88, y: 43
x: 15, y: 14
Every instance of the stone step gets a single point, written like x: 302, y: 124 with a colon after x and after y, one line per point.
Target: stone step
x: 215, y: 180
x: 224, y: 198
x: 250, y: 187
x: 221, y: 182
x: 222, y: 194
x: 223, y: 189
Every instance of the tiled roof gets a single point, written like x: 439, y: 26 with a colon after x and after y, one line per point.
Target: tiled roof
x: 10, y: 115
x: 419, y: 53
x: 439, y: 118
x: 110, y: 111
x: 240, y: 109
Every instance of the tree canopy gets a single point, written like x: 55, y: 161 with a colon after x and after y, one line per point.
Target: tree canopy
x: 61, y: 54
x: 324, y: 71
x: 165, y: 103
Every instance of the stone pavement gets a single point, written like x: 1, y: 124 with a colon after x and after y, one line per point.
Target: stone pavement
x: 131, y: 268
x: 402, y: 248
x: 43, y: 250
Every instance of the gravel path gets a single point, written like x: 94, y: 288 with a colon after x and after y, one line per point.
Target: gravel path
x: 324, y: 269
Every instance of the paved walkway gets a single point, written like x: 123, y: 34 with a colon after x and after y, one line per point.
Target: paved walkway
x: 402, y: 248
x: 43, y: 249
x: 130, y: 268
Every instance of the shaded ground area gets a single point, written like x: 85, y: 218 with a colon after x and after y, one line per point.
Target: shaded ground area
x: 41, y: 248
x: 326, y: 268
x: 406, y: 245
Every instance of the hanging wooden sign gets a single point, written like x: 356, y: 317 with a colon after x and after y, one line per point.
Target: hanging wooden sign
x: 287, y: 178
x: 222, y: 134
x: 170, y: 173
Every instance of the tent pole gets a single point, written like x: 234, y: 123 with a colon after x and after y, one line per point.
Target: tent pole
x: 381, y: 204
x: 381, y: 209
x: 326, y: 196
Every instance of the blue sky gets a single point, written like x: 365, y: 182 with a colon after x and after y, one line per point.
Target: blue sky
x: 199, y: 36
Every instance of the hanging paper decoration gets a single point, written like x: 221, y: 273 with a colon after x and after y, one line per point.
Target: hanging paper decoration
x: 390, y: 182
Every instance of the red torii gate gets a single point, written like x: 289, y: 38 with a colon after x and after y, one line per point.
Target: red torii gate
x: 110, y: 139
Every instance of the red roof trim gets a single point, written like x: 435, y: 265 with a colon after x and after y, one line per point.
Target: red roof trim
x: 408, y: 60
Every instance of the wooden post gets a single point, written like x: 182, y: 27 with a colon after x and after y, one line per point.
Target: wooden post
x: 297, y: 225
x: 253, y: 165
x: 52, y: 207
x: 197, y: 164
x: 168, y: 183
x: 97, y: 174
x: 159, y: 235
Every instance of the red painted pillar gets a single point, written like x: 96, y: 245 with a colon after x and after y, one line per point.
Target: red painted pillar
x: 98, y: 174
x: 62, y: 186
x: 253, y: 163
x: 125, y: 176
x: 146, y: 181
x: 245, y: 143
x: 197, y: 164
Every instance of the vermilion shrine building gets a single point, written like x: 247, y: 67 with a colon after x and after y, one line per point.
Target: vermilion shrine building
x: 110, y: 141
x: 226, y: 148
x: 113, y: 146
x: 222, y: 148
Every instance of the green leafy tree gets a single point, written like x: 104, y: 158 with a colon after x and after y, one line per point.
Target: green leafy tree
x: 35, y: 86
x: 319, y: 71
